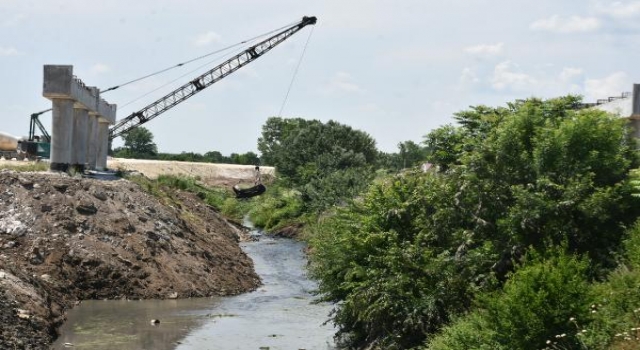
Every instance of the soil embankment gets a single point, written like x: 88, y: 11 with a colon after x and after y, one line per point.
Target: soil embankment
x: 211, y: 174
x: 63, y: 240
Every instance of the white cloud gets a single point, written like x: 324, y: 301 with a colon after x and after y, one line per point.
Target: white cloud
x: 468, y: 76
x: 621, y: 10
x: 506, y: 75
x: 573, y: 24
x: 485, y: 49
x: 100, y: 68
x: 611, y: 85
x: 570, y: 73
x: 207, y: 38
x: 371, y: 108
x: 14, y: 21
x: 8, y: 51
x: 249, y: 72
x: 342, y: 82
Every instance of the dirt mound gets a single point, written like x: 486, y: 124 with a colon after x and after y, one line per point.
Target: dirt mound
x: 66, y: 239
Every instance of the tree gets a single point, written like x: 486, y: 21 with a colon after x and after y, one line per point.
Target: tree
x: 324, y: 161
x: 411, y: 154
x: 138, y: 143
x: 409, y: 256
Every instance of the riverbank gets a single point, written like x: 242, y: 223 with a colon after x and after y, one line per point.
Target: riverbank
x: 281, y: 314
x: 64, y: 240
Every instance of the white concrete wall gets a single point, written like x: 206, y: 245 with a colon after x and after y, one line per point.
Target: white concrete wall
x: 622, y: 107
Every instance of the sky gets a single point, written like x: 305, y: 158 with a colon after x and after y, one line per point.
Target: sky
x: 393, y: 69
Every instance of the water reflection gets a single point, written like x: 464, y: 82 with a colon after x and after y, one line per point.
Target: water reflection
x: 279, y: 315
x: 119, y: 324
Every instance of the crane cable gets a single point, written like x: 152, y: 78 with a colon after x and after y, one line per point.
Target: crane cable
x: 178, y: 78
x: 194, y: 59
x: 295, y: 73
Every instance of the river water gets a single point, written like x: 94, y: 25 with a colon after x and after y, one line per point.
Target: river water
x: 279, y: 315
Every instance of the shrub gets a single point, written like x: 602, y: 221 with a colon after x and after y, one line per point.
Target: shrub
x: 536, y: 307
x: 617, y: 320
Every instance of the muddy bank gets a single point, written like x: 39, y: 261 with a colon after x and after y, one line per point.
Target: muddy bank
x: 63, y: 240
x: 281, y: 314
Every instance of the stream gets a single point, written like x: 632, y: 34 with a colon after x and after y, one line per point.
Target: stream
x: 278, y: 315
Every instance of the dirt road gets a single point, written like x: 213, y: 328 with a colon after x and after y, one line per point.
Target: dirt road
x: 209, y: 173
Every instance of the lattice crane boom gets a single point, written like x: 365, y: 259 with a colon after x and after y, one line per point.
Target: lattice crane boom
x: 205, y: 80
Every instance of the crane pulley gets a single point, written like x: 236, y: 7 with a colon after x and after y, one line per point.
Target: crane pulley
x: 205, y: 80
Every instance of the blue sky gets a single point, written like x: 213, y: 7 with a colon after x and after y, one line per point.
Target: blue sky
x: 394, y: 69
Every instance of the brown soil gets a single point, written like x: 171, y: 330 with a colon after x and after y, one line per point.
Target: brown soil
x: 64, y: 239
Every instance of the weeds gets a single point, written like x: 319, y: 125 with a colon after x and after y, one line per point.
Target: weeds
x: 24, y: 166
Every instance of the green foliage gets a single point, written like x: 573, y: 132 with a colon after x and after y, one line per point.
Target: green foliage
x: 375, y: 259
x: 411, y: 254
x: 277, y: 208
x: 445, y: 145
x: 617, y: 303
x: 138, y: 143
x: 162, y: 186
x: 409, y: 154
x: 532, y: 310
x: 634, y: 181
x: 325, y: 162
x: 249, y: 158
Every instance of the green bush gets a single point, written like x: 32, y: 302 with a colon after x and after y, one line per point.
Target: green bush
x: 537, y: 307
x: 411, y: 253
x: 380, y: 261
x: 276, y: 208
x: 618, y: 301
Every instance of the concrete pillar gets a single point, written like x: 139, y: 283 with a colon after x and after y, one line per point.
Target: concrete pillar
x: 92, y: 141
x: 635, y: 107
x: 634, y: 118
x: 64, y: 89
x: 103, y: 144
x: 80, y: 137
x: 61, y: 134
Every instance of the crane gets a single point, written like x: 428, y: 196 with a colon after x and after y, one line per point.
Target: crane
x: 35, y: 122
x: 205, y: 80
x: 176, y: 96
x: 36, y: 147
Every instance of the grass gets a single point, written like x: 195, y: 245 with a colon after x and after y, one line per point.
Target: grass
x: 24, y: 166
x: 218, y: 198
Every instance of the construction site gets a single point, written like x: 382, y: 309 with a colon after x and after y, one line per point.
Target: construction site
x: 79, y: 232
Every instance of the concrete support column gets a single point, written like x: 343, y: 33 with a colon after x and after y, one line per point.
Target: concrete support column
x: 635, y: 107
x: 69, y: 146
x: 80, y: 138
x: 92, y: 141
x: 103, y: 144
x: 634, y: 119
x: 62, y: 134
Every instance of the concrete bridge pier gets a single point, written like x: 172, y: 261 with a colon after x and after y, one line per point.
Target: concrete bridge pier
x: 92, y: 143
x: 80, y: 138
x: 103, y: 144
x: 634, y: 119
x: 61, y: 134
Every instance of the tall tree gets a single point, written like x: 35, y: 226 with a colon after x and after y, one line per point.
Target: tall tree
x: 324, y: 161
x: 409, y: 256
x: 138, y: 143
